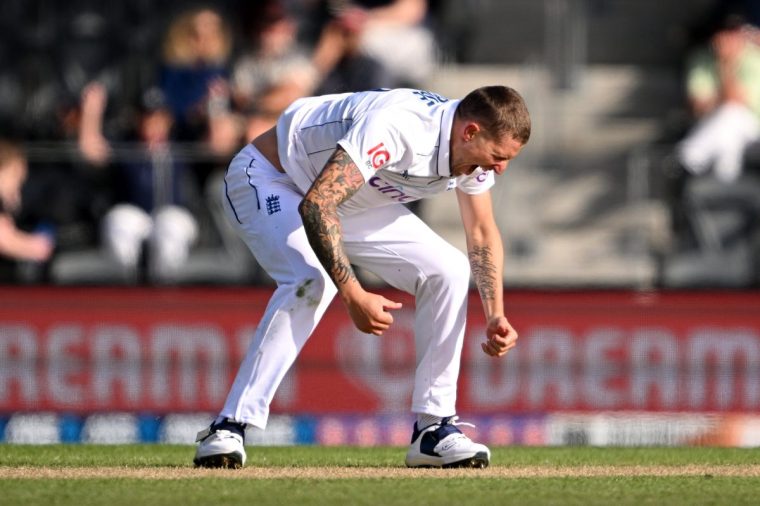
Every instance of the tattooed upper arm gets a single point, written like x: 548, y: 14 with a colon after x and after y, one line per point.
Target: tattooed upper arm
x: 338, y: 181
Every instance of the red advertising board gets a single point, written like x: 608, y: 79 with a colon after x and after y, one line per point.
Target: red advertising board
x: 177, y: 350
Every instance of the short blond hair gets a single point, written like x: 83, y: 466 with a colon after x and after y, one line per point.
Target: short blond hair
x: 499, y: 109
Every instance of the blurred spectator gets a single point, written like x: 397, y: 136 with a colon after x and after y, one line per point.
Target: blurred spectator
x: 344, y: 65
x: 72, y: 189
x: 273, y: 69
x: 90, y: 50
x: 153, y: 190
x: 91, y: 140
x: 14, y: 243
x: 62, y: 47
x: 195, y: 69
x: 224, y: 129
x: 723, y: 87
x: 393, y: 32
x: 715, y: 216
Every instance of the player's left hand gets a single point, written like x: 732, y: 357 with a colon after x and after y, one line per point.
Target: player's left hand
x: 500, y: 337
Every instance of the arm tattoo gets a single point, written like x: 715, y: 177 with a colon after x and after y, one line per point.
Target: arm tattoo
x: 338, y: 182
x: 483, y: 271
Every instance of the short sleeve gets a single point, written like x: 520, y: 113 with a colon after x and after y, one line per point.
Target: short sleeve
x: 477, y: 182
x: 374, y: 142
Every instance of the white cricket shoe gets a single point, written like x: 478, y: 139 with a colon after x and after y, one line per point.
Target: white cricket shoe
x: 221, y: 445
x: 444, y: 445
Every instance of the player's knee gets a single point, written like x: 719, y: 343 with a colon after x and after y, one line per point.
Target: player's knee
x: 451, y: 269
x: 314, y: 287
x: 460, y: 275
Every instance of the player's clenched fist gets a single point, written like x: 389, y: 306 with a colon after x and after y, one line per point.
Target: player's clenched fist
x: 500, y: 337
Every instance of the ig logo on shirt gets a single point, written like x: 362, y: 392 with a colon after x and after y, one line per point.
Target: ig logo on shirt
x: 379, y: 155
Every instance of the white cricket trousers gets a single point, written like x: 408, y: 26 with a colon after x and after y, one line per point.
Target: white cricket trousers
x: 262, y: 204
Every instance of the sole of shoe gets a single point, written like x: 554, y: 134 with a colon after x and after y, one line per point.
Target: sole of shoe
x: 478, y: 461
x: 226, y: 461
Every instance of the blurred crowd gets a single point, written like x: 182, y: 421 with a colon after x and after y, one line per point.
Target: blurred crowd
x: 153, y: 99
x: 118, y: 115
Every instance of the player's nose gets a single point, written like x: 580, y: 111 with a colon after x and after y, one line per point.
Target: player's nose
x: 500, y: 167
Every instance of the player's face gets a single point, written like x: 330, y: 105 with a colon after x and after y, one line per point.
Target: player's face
x: 477, y: 149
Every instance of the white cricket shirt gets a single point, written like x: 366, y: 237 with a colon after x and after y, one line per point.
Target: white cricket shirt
x: 399, y: 139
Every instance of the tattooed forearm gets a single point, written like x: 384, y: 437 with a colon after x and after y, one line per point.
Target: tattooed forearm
x: 339, y: 180
x: 324, y: 236
x: 483, y: 271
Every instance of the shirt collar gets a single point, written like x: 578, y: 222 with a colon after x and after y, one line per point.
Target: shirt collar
x: 444, y: 140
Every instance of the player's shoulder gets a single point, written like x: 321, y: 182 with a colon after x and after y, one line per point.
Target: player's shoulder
x: 404, y: 113
x: 402, y: 125
x: 410, y: 104
x: 412, y: 98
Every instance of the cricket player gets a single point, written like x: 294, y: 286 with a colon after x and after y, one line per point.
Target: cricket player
x: 322, y: 191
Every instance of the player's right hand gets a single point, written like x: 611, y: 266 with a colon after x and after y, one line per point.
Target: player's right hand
x: 500, y: 337
x: 370, y: 312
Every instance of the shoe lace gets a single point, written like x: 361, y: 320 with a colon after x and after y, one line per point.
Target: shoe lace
x: 226, y: 425
x: 454, y: 420
x: 453, y: 439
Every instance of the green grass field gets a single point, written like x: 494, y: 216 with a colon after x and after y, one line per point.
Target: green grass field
x: 158, y: 474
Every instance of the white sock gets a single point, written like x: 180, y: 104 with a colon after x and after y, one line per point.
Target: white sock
x: 424, y: 420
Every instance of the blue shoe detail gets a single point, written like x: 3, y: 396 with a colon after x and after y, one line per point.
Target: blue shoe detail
x: 230, y: 425
x: 431, y: 438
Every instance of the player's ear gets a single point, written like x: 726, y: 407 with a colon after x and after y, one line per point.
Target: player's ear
x: 471, y: 129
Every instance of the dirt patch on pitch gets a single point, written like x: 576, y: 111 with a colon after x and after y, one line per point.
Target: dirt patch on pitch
x: 339, y: 473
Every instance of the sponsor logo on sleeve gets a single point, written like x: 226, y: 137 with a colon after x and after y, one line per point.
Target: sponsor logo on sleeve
x: 379, y: 156
x: 392, y: 192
